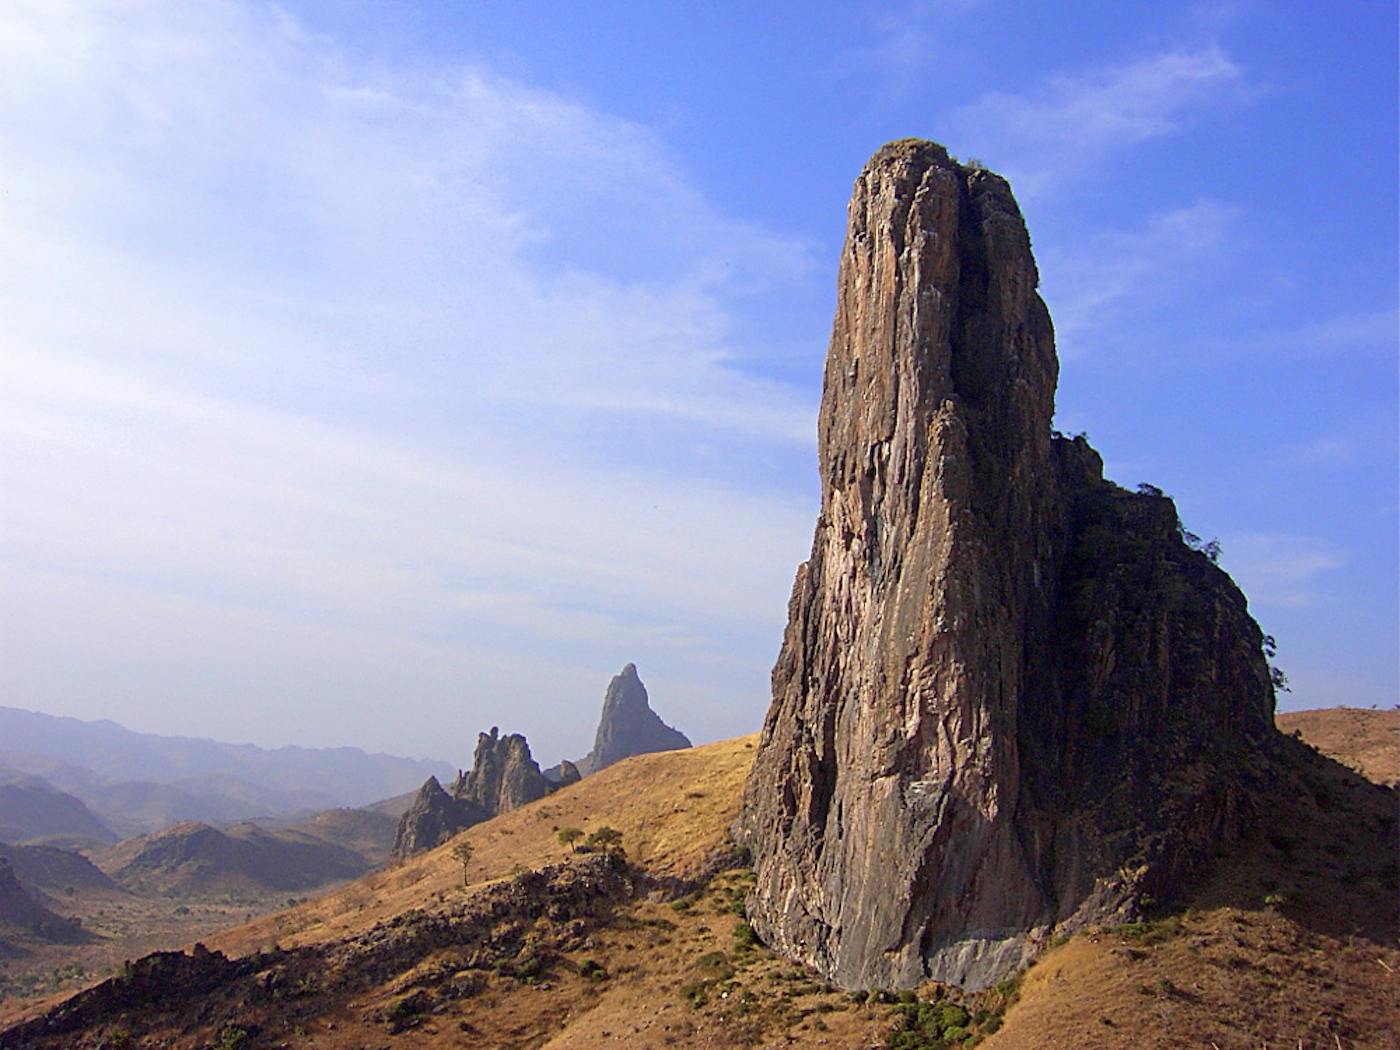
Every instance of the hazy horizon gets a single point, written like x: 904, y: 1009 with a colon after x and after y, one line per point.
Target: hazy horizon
x: 374, y: 377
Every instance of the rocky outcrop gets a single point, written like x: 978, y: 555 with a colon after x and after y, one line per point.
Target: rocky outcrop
x: 1011, y: 698
x: 442, y: 953
x: 629, y: 726
x: 432, y: 819
x: 503, y: 777
x: 567, y: 773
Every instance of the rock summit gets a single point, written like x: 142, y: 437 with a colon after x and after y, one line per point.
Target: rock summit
x: 503, y: 777
x: 628, y: 725
x: 1012, y: 699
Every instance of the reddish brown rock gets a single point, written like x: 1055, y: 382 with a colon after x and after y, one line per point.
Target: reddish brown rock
x: 1010, y: 696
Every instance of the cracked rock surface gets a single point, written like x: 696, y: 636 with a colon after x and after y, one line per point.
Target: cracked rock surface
x: 1011, y: 697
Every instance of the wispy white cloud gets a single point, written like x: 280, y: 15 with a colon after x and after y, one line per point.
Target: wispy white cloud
x: 1358, y: 329
x: 1090, y: 282
x: 1279, y: 569
x: 902, y: 41
x: 1072, y: 122
x: 387, y: 375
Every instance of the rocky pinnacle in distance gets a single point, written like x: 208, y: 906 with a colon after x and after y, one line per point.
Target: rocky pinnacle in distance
x: 1010, y: 697
x: 628, y: 725
x: 503, y: 777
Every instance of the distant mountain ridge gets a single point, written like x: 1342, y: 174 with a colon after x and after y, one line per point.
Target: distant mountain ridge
x: 191, y: 858
x: 33, y: 811
x: 143, y: 781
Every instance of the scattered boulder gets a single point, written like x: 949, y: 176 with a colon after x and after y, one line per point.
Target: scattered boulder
x: 1011, y: 698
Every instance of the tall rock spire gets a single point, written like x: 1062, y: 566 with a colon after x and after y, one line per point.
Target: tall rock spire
x: 1009, y: 696
x: 628, y: 725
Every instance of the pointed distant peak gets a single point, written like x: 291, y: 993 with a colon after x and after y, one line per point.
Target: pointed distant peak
x: 628, y: 726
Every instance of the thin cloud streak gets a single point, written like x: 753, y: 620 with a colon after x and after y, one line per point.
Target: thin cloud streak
x: 1088, y: 285
x: 1277, y: 569
x: 1075, y: 121
x: 386, y: 379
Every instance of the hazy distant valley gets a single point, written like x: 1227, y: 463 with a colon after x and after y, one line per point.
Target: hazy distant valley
x: 76, y: 897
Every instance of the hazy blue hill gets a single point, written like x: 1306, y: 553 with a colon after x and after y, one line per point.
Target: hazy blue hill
x: 195, y: 859
x: 55, y: 871
x: 92, y: 759
x: 33, y: 811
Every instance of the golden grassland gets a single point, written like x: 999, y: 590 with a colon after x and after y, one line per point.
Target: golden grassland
x: 1290, y: 939
x: 1360, y: 738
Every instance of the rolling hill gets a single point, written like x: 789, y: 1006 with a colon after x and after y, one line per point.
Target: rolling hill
x: 33, y: 811
x: 194, y: 859
x: 1287, y: 940
x: 1360, y: 738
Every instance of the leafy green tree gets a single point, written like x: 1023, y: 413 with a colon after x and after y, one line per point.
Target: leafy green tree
x: 606, y: 839
x: 569, y: 837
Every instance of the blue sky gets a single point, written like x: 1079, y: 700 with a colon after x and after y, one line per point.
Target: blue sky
x: 374, y: 373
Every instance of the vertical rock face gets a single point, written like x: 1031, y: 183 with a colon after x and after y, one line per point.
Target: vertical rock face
x: 629, y: 726
x: 1009, y: 697
x: 503, y: 777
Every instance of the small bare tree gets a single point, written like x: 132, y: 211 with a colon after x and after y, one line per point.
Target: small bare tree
x: 463, y: 852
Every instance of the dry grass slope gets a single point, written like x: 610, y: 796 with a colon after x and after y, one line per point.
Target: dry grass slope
x: 1363, y: 739
x: 1290, y: 941
x: 672, y: 808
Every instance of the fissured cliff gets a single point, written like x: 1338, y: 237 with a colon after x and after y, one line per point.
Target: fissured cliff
x: 1011, y: 698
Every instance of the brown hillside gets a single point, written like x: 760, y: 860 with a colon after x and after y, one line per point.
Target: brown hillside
x: 1289, y: 942
x: 673, y: 808
x: 1366, y: 740
x: 194, y: 859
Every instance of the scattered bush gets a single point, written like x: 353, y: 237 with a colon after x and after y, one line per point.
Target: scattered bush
x: 687, y: 902
x: 744, y: 937
x: 606, y: 839
x: 937, y: 1024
